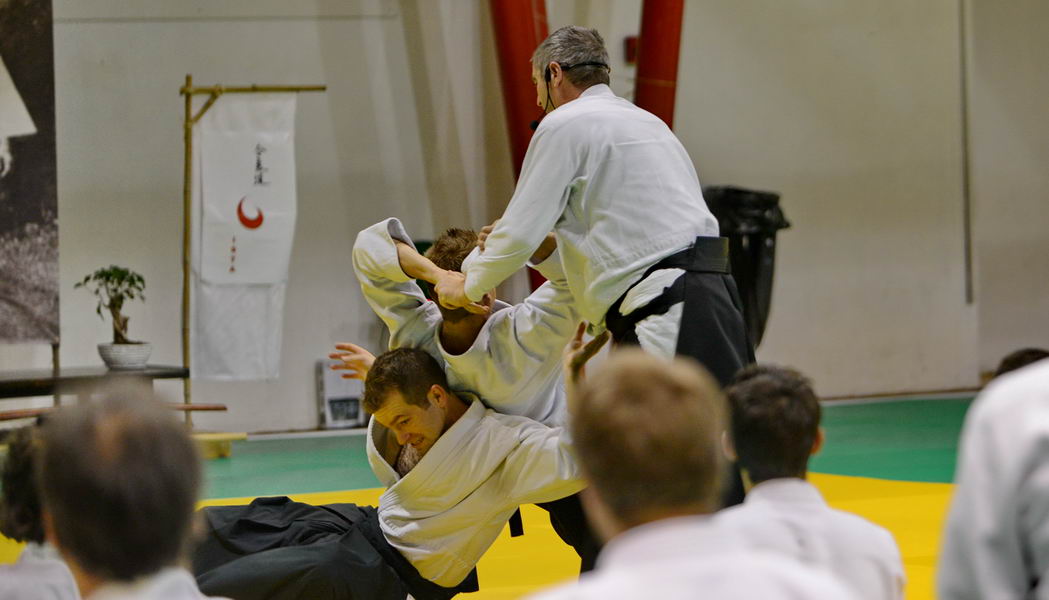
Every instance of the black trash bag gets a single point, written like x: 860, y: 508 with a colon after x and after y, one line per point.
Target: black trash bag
x: 750, y: 220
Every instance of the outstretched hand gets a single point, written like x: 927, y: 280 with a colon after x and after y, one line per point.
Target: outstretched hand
x: 577, y: 354
x: 356, y: 360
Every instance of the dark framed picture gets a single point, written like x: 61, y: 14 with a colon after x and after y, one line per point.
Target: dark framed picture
x: 339, y: 399
x: 28, y: 182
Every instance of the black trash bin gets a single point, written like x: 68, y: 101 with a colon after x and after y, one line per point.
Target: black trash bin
x: 750, y: 220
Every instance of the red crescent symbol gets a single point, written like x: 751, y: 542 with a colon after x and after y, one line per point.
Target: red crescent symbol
x: 252, y: 223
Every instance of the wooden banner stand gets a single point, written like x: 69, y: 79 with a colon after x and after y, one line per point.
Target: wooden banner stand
x: 190, y: 119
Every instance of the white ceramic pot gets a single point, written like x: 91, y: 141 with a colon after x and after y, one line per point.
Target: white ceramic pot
x: 125, y: 356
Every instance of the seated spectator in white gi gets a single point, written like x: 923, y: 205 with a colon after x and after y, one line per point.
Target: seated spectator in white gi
x: 996, y: 543
x: 509, y: 356
x: 454, y: 470
x: 648, y: 435
x: 119, y: 479
x: 40, y: 573
x: 1019, y: 359
x: 775, y: 428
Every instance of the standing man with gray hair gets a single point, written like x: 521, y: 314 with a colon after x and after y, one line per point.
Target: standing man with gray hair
x: 639, y: 246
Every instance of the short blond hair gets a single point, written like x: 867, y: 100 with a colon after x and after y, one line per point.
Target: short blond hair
x: 648, y: 435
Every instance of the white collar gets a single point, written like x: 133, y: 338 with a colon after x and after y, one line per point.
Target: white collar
x: 447, y: 445
x: 787, y: 489
x: 40, y: 552
x: 597, y: 90
x: 666, y: 539
x: 169, y: 583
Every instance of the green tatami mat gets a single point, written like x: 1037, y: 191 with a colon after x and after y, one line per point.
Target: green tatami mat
x: 909, y: 440
x: 290, y: 466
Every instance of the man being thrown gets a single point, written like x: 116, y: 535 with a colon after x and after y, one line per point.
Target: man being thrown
x: 454, y: 470
x: 775, y: 419
x: 638, y: 244
x: 662, y: 540
x: 510, y: 356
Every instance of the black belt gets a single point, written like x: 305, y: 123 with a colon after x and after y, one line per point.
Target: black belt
x: 706, y: 255
x: 418, y: 586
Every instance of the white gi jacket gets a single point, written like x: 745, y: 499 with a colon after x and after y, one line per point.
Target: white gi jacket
x: 39, y: 574
x: 790, y: 517
x: 996, y: 543
x: 692, y: 557
x: 169, y: 584
x: 515, y: 362
x: 615, y: 185
x: 449, y: 509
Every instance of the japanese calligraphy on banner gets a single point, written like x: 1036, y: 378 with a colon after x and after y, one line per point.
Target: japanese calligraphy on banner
x: 244, y: 224
x: 247, y: 182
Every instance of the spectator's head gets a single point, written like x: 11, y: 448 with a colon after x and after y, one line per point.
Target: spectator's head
x: 775, y: 423
x: 648, y: 435
x: 20, y: 503
x: 448, y: 252
x: 407, y: 392
x: 578, y: 51
x: 1020, y: 358
x: 119, y: 480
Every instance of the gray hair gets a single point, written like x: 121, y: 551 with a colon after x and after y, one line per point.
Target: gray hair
x: 573, y: 45
x: 120, y: 479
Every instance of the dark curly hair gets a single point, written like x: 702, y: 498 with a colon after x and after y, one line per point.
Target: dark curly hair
x: 775, y: 420
x: 20, y: 502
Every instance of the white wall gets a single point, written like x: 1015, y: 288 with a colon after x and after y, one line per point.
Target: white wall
x: 851, y: 110
x: 1009, y: 84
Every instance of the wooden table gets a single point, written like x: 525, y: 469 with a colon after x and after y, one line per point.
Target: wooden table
x: 83, y: 381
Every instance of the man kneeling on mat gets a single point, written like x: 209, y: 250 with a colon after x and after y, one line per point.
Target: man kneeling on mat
x: 455, y: 471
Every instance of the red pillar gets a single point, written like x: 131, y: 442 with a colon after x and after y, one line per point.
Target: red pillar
x: 659, y: 46
x: 520, y: 25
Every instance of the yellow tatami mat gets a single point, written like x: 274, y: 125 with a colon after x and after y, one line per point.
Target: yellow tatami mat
x: 913, y: 512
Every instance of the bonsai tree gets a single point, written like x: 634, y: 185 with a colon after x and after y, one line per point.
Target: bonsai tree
x: 113, y: 286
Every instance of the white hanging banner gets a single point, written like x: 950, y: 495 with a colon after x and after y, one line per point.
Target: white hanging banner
x: 244, y: 225
x: 248, y: 188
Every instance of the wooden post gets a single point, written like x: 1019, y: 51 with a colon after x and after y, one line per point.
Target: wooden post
x: 187, y: 228
x: 56, y: 366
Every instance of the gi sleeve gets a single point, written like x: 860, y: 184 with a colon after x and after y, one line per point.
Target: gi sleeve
x: 394, y: 296
x: 983, y: 549
x: 527, y: 345
x: 543, y: 466
x: 550, y: 168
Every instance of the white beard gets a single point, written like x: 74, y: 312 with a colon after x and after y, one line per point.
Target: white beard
x: 407, y: 458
